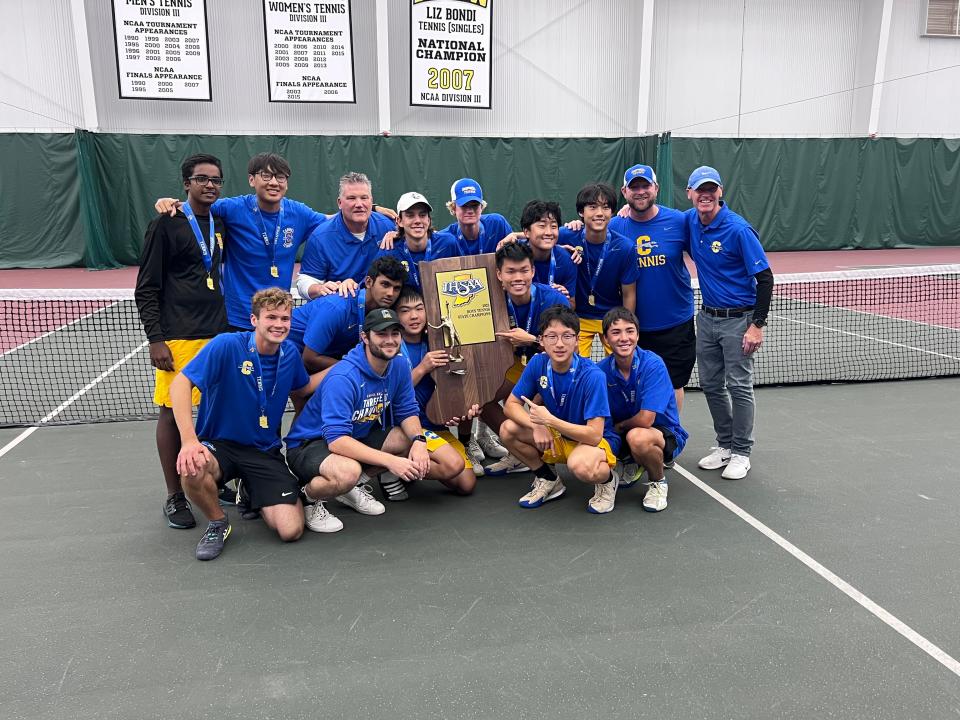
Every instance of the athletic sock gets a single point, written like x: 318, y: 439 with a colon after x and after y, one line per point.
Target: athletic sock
x: 546, y: 472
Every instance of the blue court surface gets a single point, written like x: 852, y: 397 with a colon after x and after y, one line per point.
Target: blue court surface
x: 824, y: 585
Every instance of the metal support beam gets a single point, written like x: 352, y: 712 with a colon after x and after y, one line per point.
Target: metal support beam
x: 88, y: 95
x: 383, y: 67
x: 880, y: 69
x: 646, y: 72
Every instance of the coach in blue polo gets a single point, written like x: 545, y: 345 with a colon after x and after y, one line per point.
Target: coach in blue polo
x: 736, y: 283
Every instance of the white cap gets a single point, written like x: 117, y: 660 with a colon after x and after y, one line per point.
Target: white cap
x: 408, y: 200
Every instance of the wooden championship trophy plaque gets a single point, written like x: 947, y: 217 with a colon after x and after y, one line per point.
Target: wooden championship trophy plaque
x: 465, y: 307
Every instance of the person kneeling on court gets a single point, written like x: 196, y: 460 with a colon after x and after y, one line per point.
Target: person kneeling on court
x: 245, y: 379
x: 572, y: 425
x: 643, y: 405
x: 363, y: 415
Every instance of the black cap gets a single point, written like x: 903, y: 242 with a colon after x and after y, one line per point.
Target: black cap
x: 380, y: 319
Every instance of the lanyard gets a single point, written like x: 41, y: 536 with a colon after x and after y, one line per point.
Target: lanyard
x: 266, y: 238
x: 195, y: 226
x: 631, y: 382
x: 461, y: 241
x: 553, y: 267
x: 408, y: 256
x: 530, y: 311
x: 573, y: 376
x: 261, y: 390
x: 594, y: 274
x: 361, y: 309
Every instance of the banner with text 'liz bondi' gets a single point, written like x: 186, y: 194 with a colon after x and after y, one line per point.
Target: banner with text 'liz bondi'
x: 309, y: 51
x: 162, y: 49
x: 450, y: 48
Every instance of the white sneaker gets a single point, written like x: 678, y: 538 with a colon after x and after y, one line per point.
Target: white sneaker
x: 716, y: 459
x: 490, y: 444
x: 737, y: 468
x: 656, y: 498
x: 543, y: 490
x: 474, y: 452
x: 630, y: 474
x: 604, y: 496
x: 361, y: 500
x: 321, y: 520
x: 508, y: 464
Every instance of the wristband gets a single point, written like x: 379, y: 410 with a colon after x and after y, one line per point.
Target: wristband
x: 419, y: 438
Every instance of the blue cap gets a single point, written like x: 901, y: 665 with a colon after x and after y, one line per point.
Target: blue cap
x: 703, y: 174
x: 466, y: 190
x: 639, y: 171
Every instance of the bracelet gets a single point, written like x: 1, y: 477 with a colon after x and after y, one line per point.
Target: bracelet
x: 419, y: 438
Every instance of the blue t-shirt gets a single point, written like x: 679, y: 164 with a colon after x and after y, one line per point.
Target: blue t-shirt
x: 226, y: 371
x: 352, y: 398
x: 648, y: 388
x: 576, y: 396
x: 728, y: 254
x: 334, y: 253
x: 247, y: 257
x: 329, y: 325
x: 423, y: 390
x: 664, y: 293
x: 493, y: 228
x: 562, y: 268
x: 527, y: 317
x: 441, y: 245
x: 619, y: 268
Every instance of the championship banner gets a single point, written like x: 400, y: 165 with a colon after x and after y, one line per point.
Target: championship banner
x: 309, y: 51
x: 450, y: 47
x: 162, y: 49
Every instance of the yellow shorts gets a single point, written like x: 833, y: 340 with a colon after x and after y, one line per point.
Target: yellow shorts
x: 589, y: 328
x: 514, y: 372
x: 445, y: 437
x: 183, y: 351
x: 565, y: 446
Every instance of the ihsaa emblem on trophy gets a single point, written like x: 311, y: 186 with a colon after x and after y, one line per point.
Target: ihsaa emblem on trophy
x: 463, y: 287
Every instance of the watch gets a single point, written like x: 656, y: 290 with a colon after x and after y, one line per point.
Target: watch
x: 760, y: 322
x: 419, y: 438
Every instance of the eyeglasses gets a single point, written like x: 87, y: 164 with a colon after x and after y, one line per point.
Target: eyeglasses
x: 268, y: 176
x: 553, y: 338
x: 204, y: 179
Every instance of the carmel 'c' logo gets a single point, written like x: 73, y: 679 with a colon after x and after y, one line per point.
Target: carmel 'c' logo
x: 716, y: 246
x: 543, y: 381
x: 246, y: 367
x: 463, y: 288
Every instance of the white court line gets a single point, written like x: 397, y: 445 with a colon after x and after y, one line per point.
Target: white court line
x: 58, y: 329
x: 842, y: 585
x: 72, y: 399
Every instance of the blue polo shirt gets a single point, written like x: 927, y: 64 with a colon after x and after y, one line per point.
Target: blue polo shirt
x: 352, y: 399
x: 664, y: 293
x: 226, y: 371
x: 527, y: 317
x: 493, y: 228
x: 329, y: 325
x: 335, y: 253
x: 648, y: 388
x: 441, y: 245
x: 247, y: 257
x: 562, y: 269
x: 619, y: 268
x: 582, y: 389
x: 728, y: 254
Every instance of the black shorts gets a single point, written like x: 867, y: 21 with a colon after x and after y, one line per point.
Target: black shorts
x: 305, y: 460
x: 265, y: 475
x: 669, y: 445
x: 677, y: 346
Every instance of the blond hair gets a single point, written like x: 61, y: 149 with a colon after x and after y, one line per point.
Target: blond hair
x: 271, y: 299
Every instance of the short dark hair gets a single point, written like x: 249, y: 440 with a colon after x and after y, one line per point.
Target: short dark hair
x: 536, y: 210
x: 619, y: 313
x: 594, y: 193
x: 561, y: 314
x: 389, y: 267
x: 518, y: 252
x: 186, y: 169
x: 408, y: 294
x: 268, y: 161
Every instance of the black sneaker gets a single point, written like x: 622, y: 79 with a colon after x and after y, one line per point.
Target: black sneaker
x: 226, y: 496
x: 243, y: 504
x: 211, y: 544
x: 177, y: 511
x: 392, y: 487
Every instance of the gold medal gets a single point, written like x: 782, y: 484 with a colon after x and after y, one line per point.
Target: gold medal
x: 274, y: 271
x: 209, y: 283
x: 590, y: 299
x: 263, y: 421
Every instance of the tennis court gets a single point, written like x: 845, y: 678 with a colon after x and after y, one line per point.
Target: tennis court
x: 825, y: 585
